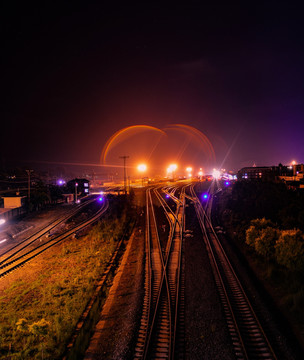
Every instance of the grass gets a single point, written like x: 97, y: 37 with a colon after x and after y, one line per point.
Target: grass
x: 42, y: 302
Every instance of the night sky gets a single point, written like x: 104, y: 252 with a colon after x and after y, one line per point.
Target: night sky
x: 72, y: 75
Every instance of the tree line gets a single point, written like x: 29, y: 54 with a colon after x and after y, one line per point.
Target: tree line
x: 269, y: 218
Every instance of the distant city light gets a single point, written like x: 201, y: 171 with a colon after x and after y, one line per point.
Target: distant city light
x: 293, y: 162
x: 189, y: 169
x: 171, y: 168
x: 200, y: 173
x: 142, y: 167
x: 167, y: 196
x: 205, y: 196
x: 100, y: 199
x: 60, y: 182
x: 216, y: 174
x: 227, y: 183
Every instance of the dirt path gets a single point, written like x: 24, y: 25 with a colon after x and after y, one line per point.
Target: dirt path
x: 112, y: 339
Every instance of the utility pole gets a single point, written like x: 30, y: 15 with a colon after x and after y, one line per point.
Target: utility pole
x: 29, y: 187
x: 125, y: 171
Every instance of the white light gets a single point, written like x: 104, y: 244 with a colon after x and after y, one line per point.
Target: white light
x: 200, y: 173
x: 2, y: 221
x: 2, y: 241
x: 216, y: 174
x: 172, y: 168
x: 189, y: 169
x: 142, y: 167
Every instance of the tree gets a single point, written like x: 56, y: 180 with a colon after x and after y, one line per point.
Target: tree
x: 265, y: 242
x: 251, y: 234
x: 254, y: 230
x: 289, y: 250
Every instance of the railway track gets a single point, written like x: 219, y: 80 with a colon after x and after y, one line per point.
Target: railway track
x: 8, y: 266
x: 28, y: 241
x: 160, y: 316
x: 247, y: 335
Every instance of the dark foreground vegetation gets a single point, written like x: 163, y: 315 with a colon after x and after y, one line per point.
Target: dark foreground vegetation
x: 42, y: 302
x: 266, y: 221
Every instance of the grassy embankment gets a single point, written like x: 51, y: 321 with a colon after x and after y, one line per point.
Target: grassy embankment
x: 41, y: 303
x: 236, y: 208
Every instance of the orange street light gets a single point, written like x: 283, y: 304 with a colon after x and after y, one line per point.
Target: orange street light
x: 172, y: 168
x: 142, y: 168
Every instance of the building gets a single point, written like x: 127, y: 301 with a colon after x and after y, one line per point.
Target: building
x: 13, y: 206
x: 256, y: 173
x: 292, y: 175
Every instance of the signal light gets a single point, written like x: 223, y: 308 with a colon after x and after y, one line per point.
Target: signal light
x: 205, y: 196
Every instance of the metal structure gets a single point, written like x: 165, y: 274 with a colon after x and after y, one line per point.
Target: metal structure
x: 125, y: 157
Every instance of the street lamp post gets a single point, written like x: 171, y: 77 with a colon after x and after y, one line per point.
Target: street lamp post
x: 76, y: 185
x: 125, y: 171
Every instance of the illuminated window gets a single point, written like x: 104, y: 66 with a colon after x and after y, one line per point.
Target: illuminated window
x: 86, y: 185
x: 86, y: 190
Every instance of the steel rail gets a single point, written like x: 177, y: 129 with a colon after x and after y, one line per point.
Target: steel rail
x: 248, y: 337
x: 160, y: 334
x: 37, y: 235
x: 157, y: 331
x: 31, y: 254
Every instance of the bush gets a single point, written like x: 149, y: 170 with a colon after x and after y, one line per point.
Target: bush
x: 265, y: 243
x: 262, y: 237
x: 289, y: 250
